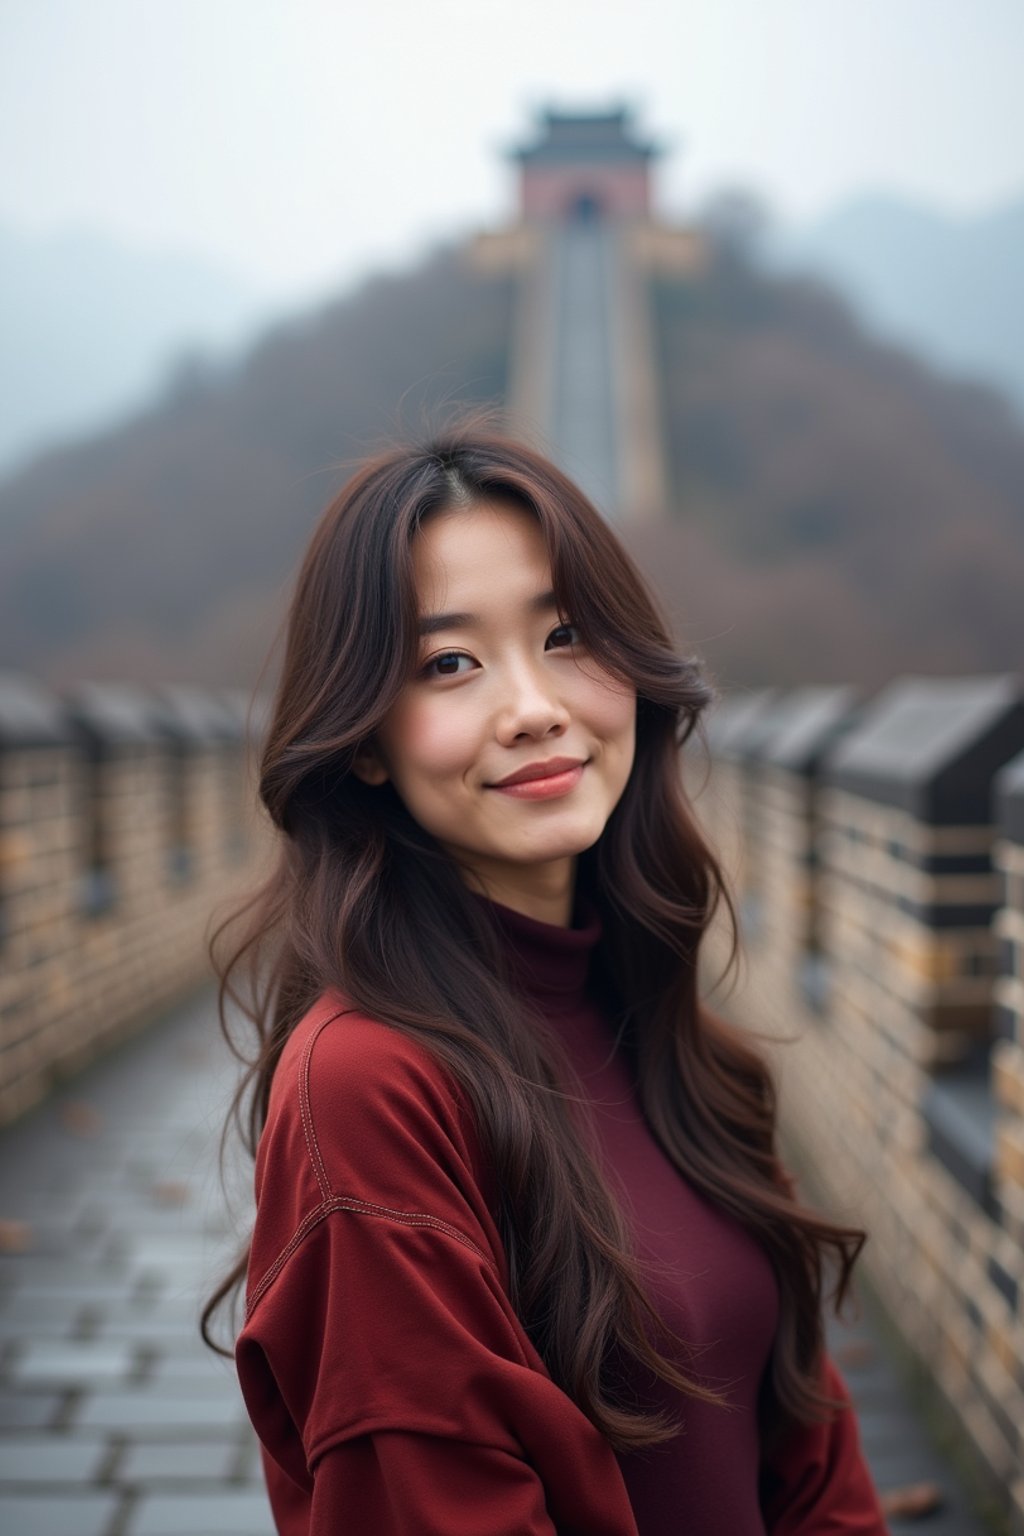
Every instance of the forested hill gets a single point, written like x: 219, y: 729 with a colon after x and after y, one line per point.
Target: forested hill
x: 840, y: 511
x: 849, y: 513
x: 164, y: 548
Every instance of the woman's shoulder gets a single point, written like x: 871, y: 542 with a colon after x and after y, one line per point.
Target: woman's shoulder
x: 357, y: 1098
x: 364, y: 1118
x: 340, y: 1054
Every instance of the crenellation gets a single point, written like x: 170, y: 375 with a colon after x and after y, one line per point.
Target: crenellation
x: 903, y: 1086
x: 95, y: 935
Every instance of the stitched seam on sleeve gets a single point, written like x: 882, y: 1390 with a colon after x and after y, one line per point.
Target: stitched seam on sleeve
x: 363, y: 1208
x: 378, y: 1423
x: 305, y: 1109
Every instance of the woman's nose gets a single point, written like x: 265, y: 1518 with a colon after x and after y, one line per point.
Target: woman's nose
x: 532, y: 707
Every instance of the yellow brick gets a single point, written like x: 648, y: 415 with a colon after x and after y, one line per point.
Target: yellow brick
x: 1008, y: 1346
x: 1010, y: 1152
x: 931, y: 961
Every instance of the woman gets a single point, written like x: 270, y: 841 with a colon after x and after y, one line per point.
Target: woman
x: 524, y: 1260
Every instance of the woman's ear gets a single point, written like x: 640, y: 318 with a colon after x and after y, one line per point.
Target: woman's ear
x: 368, y: 765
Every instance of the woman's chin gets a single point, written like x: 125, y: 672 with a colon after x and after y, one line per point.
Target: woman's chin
x: 567, y: 843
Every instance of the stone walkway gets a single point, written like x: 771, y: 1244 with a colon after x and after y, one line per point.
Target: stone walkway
x: 115, y: 1419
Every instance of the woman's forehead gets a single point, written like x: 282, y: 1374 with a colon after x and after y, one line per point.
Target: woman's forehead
x: 482, y: 547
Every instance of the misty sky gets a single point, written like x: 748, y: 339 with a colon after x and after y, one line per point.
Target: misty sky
x: 300, y: 142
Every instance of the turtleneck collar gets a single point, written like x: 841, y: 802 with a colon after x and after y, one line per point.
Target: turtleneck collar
x: 553, y: 962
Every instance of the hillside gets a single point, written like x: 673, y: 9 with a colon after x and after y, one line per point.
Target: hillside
x: 947, y: 287
x: 844, y: 512
x: 162, y: 549
x: 841, y: 512
x: 90, y: 325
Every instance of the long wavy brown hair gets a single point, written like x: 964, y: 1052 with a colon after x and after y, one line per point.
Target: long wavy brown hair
x: 363, y: 900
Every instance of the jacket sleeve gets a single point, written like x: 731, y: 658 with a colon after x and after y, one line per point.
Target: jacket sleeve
x: 382, y: 1363
x: 817, y: 1482
x: 425, y: 1485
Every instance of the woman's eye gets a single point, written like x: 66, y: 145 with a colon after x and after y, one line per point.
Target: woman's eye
x: 446, y: 664
x: 565, y: 634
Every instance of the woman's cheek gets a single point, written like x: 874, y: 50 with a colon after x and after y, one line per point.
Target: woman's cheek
x: 610, y: 708
x: 430, y: 738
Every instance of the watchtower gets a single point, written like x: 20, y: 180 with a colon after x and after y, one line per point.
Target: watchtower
x: 583, y: 380
x: 585, y: 167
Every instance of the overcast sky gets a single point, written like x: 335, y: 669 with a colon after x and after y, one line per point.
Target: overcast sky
x: 301, y: 142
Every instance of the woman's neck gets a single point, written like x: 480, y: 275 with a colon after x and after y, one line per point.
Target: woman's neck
x: 544, y: 892
x: 551, y: 962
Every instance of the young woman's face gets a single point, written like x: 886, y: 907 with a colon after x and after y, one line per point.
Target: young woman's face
x: 503, y: 691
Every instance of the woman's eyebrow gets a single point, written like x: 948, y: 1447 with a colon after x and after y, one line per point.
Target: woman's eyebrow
x: 430, y: 623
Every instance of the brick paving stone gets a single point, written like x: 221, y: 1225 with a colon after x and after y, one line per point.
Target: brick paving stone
x: 56, y: 1239
x: 27, y: 1319
x: 222, y: 1513
x: 878, y: 1399
x: 29, y: 1410
x: 177, y: 1461
x: 54, y: 1282
x: 52, y: 1362
x: 198, y: 1383
x: 133, y: 1230
x: 51, y: 1459
x: 250, y: 1465
x: 174, y: 1256
x: 171, y: 1370
x: 156, y: 1307
x: 172, y: 1333
x: 113, y: 1410
x: 897, y: 1448
x: 25, y: 1303
x: 75, y: 1514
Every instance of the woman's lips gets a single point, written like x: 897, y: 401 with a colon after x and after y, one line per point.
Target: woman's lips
x: 547, y: 788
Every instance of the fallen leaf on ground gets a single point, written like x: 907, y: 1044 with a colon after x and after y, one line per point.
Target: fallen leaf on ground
x: 854, y: 1352
x: 170, y: 1192
x: 15, y: 1236
x: 80, y: 1118
x: 912, y: 1501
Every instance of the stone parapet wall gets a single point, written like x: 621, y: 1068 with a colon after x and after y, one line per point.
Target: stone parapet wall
x: 121, y: 836
x: 1008, y: 1047
x: 882, y: 933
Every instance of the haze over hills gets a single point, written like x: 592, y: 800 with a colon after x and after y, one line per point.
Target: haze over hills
x: 851, y: 513
x: 93, y: 328
x: 840, y: 511
x: 160, y: 548
x: 90, y: 325
x: 950, y: 288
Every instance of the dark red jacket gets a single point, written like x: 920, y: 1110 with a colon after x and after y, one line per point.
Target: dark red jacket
x: 391, y: 1383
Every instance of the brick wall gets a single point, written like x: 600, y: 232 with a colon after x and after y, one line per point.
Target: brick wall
x: 125, y: 823
x: 883, y: 945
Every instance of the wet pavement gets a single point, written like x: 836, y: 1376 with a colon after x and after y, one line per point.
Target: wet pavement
x: 115, y: 1419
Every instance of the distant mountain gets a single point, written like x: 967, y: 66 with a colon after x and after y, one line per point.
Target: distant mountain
x: 90, y: 326
x: 840, y: 511
x: 953, y: 289
x: 161, y: 547
x: 844, y: 512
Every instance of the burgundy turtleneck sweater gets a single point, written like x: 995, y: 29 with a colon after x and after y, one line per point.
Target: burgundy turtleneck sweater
x: 391, y: 1383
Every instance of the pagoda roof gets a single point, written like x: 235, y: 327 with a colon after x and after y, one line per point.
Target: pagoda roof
x: 567, y: 138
